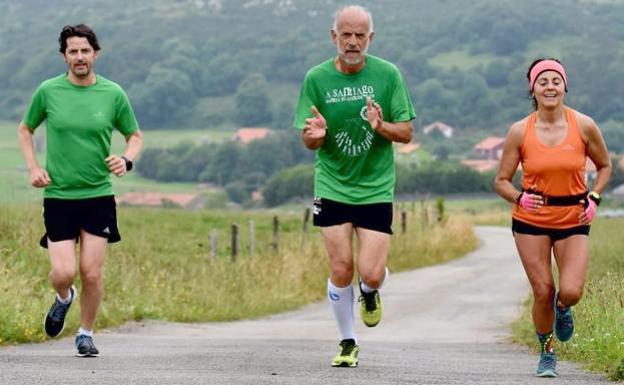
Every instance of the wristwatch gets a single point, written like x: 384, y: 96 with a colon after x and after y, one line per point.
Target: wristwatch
x: 128, y: 163
x: 595, y: 197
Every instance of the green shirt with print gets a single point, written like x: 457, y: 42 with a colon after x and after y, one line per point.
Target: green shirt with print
x: 355, y: 165
x: 79, y: 125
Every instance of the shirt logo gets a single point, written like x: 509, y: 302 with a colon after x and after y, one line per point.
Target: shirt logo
x: 106, y: 230
x: 354, y: 138
x: 569, y: 147
x: 364, y: 113
x: 349, y: 94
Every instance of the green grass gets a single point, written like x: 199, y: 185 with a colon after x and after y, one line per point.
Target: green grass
x: 163, y: 267
x: 461, y: 59
x: 487, y: 210
x: 598, y: 342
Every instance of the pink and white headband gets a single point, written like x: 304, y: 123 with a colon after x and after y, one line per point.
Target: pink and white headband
x: 547, y: 65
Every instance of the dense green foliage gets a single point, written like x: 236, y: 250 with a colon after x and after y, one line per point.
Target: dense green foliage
x: 204, y: 63
x: 291, y: 183
x: 434, y: 177
x: 239, y: 168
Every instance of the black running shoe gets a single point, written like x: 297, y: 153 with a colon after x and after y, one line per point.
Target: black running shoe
x: 85, y: 346
x: 55, y: 319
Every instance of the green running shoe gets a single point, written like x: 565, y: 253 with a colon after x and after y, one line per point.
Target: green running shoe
x: 547, y: 365
x: 347, y: 356
x: 371, y: 308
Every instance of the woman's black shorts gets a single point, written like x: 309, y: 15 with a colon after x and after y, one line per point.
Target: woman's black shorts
x: 554, y: 234
x: 374, y: 216
x: 64, y: 218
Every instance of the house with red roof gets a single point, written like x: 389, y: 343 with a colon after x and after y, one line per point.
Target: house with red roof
x: 489, y: 148
x: 443, y: 128
x: 246, y: 135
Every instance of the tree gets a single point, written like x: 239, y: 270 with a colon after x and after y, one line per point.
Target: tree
x: 294, y: 182
x: 284, y: 115
x: 252, y: 102
x: 164, y: 98
x: 442, y: 152
x: 613, y: 133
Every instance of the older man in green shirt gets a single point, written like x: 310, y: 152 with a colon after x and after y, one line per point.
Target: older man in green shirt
x: 350, y: 110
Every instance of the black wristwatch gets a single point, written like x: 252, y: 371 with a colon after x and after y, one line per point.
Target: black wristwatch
x: 595, y: 197
x: 128, y: 163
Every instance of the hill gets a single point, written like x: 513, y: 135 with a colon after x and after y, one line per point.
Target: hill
x: 182, y: 62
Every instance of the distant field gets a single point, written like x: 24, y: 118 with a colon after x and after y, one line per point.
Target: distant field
x: 485, y: 209
x: 554, y: 47
x: 14, y: 185
x: 461, y: 59
x: 166, y: 138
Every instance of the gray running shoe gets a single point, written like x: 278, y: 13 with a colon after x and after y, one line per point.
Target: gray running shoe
x: 85, y: 346
x: 564, y: 322
x: 547, y: 365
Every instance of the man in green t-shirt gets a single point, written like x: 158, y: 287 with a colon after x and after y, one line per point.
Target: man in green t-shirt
x: 81, y: 110
x: 350, y: 110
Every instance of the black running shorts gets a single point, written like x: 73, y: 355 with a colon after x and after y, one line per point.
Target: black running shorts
x: 374, y: 216
x: 64, y: 218
x: 554, y: 234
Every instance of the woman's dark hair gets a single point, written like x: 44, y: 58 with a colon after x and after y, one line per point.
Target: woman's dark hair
x: 528, y: 75
x: 79, y: 30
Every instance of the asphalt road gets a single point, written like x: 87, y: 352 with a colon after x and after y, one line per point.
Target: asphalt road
x: 444, y: 324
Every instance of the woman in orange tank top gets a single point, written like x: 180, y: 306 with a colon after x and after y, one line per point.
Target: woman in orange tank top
x: 553, y: 211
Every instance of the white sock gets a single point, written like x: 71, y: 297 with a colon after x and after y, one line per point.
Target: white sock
x: 341, y: 301
x: 85, y: 332
x: 366, y: 289
x: 67, y: 300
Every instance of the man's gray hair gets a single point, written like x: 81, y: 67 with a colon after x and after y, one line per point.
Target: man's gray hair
x: 359, y: 8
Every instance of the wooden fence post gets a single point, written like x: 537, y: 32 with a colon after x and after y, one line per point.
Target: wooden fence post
x: 306, y: 219
x: 252, y: 236
x: 213, y: 244
x: 234, y: 242
x: 276, y: 233
x: 403, y: 222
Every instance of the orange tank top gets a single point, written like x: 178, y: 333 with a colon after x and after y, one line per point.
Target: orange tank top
x: 553, y: 170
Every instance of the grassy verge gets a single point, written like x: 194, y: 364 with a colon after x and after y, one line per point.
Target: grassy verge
x: 598, y: 342
x: 163, y: 268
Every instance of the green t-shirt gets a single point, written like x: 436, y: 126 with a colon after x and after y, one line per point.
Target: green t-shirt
x: 355, y: 165
x: 79, y: 124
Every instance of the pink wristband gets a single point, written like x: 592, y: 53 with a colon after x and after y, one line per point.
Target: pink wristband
x: 525, y: 202
x: 590, y: 210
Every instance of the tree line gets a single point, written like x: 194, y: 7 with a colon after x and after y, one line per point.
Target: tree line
x: 239, y: 62
x: 282, y: 169
x: 239, y: 168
